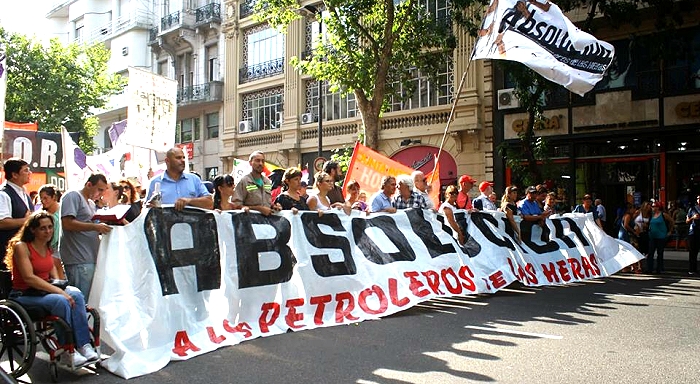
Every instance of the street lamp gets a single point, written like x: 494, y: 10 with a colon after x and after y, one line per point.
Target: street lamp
x: 315, y: 11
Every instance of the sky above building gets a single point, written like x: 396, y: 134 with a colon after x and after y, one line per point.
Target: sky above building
x: 27, y: 17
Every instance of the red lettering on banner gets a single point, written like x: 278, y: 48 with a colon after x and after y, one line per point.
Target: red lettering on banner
x: 213, y: 337
x: 576, y: 269
x: 243, y: 328
x: 433, y: 279
x: 587, y: 267
x: 550, y: 273
x: 183, y: 344
x: 532, y: 275
x: 344, y: 311
x: 563, y: 270
x: 394, y: 294
x: 454, y: 287
x: 497, y: 280
x: 415, y: 284
x: 467, y: 278
x: 292, y: 315
x: 264, y: 322
x: 320, y: 303
x: 376, y: 290
x: 594, y: 262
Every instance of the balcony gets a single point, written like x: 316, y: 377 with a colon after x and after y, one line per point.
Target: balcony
x: 135, y: 20
x: 153, y: 36
x: 170, y: 21
x: 261, y: 71
x: 202, y: 93
x: 247, y: 7
x: 210, y: 13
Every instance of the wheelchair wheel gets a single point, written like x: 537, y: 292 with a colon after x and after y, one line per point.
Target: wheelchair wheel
x: 94, y: 326
x: 17, y: 338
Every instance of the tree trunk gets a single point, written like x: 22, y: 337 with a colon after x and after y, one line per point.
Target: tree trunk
x: 528, y: 140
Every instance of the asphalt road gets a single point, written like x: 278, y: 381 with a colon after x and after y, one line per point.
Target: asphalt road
x: 622, y: 329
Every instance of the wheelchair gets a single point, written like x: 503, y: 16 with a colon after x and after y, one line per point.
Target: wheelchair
x: 22, y: 329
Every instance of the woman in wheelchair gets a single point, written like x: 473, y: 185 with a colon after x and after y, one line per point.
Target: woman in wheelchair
x: 29, y: 257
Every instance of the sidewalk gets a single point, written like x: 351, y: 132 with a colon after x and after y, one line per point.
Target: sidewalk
x: 676, y: 260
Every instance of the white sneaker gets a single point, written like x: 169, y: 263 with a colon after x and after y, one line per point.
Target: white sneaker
x: 77, y: 359
x: 88, y: 352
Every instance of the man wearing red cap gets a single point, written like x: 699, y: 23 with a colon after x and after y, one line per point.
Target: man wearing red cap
x: 483, y: 203
x: 466, y: 183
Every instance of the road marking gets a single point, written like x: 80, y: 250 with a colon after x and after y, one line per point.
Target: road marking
x: 513, y: 332
x: 632, y: 296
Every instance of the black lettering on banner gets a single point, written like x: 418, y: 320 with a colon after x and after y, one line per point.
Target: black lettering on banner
x: 526, y: 234
x: 559, y: 230
x: 248, y: 247
x: 471, y: 247
x: 371, y: 251
x: 479, y: 219
x: 321, y: 262
x: 424, y: 230
x: 204, y: 254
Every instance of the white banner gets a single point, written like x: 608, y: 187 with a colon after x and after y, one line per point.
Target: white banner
x: 152, y: 110
x: 538, y: 35
x: 173, y: 285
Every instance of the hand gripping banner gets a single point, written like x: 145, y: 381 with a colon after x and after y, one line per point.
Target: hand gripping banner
x: 176, y: 284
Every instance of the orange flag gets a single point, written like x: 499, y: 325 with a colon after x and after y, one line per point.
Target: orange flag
x: 368, y: 167
x: 434, y: 193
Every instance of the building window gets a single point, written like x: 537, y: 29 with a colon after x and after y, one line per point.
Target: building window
x: 186, y: 130
x: 79, y: 34
x: 263, y: 53
x: 260, y: 109
x: 335, y: 106
x: 427, y: 92
x: 213, y: 63
x: 213, y: 125
x: 211, y: 172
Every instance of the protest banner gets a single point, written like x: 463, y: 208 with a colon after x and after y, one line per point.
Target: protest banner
x: 538, y: 35
x: 152, y: 111
x: 176, y: 284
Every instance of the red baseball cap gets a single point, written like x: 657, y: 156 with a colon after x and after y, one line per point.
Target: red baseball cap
x: 484, y: 185
x: 466, y: 179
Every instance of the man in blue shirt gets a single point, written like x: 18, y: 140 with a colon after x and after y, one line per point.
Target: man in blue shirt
x: 381, y: 201
x: 530, y: 209
x: 179, y: 188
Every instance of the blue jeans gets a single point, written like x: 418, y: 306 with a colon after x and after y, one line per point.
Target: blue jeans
x: 57, y: 305
x: 656, y: 246
x: 80, y: 276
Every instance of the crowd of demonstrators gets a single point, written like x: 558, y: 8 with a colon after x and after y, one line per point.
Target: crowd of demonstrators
x: 254, y: 190
x: 407, y: 198
x: 381, y: 200
x: 483, y: 202
x: 177, y: 187
x: 291, y: 197
x: 693, y: 220
x: 510, y: 208
x: 50, y: 197
x: 448, y: 208
x: 223, y: 192
x: 587, y: 206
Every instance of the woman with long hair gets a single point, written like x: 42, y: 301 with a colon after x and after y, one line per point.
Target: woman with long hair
x: 113, y: 195
x: 49, y: 195
x: 29, y: 258
x: 353, y: 200
x: 448, y: 208
x: 290, y: 198
x: 319, y: 200
x: 132, y: 197
x: 509, y: 206
x: 223, y: 192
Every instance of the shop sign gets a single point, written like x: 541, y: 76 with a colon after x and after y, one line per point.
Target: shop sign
x: 547, y: 123
x: 688, y: 109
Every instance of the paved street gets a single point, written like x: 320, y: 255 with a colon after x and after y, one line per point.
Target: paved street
x: 623, y: 329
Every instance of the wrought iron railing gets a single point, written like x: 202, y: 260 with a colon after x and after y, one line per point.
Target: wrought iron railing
x: 212, y: 91
x: 208, y: 13
x: 169, y: 21
x: 152, y: 34
x: 261, y: 71
x: 247, y: 7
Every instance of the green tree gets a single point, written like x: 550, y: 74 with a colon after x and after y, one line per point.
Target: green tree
x: 531, y: 87
x: 57, y: 85
x: 372, y: 48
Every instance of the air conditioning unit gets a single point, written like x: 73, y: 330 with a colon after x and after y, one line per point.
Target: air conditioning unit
x: 125, y: 51
x: 308, y: 118
x: 507, y: 99
x: 245, y: 126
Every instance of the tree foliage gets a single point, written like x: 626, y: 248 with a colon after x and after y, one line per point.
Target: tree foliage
x: 57, y: 85
x: 372, y: 48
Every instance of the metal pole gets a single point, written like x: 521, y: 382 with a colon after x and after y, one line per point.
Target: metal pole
x: 320, y: 95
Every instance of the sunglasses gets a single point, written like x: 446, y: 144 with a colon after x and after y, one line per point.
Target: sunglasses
x: 454, y: 193
x: 126, y: 187
x: 328, y: 181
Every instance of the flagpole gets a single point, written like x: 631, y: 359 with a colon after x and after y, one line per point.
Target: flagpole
x: 452, y: 112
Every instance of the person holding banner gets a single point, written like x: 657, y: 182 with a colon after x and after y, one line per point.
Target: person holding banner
x: 448, y: 208
x: 180, y: 188
x: 483, y: 202
x: 510, y: 208
x: 290, y: 199
x: 332, y: 168
x: 254, y: 191
x: 381, y: 200
x: 407, y: 197
x: 530, y: 209
x: 354, y: 200
x: 223, y: 192
x: 421, y: 186
x: 466, y: 183
x: 319, y: 201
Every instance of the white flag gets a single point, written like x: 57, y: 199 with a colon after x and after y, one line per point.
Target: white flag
x: 538, y: 35
x: 74, y: 162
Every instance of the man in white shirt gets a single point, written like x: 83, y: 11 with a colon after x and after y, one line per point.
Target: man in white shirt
x: 15, y: 204
x: 483, y: 203
x: 420, y: 185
